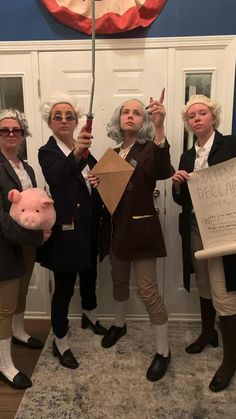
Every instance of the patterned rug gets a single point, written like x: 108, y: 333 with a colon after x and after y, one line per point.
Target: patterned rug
x: 111, y: 383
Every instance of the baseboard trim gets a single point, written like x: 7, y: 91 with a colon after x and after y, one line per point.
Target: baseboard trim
x: 175, y: 317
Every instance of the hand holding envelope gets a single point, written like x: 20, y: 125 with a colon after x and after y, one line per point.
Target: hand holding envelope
x: 114, y: 174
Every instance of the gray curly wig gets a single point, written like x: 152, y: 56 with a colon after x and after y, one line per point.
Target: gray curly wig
x: 215, y: 109
x: 146, y: 133
x: 18, y: 116
x: 46, y: 107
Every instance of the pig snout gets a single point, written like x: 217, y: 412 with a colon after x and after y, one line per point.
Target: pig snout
x: 31, y: 219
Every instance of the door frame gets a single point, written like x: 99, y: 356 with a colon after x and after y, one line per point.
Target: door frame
x: 226, y: 43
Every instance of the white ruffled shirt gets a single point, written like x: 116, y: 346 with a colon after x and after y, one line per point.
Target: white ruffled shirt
x: 202, y: 154
x: 22, y: 175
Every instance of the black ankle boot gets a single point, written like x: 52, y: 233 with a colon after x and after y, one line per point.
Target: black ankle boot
x: 224, y: 374
x: 97, y: 328
x: 218, y: 383
x: 198, y: 345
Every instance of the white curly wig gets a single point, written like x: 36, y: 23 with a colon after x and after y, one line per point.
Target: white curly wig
x: 18, y: 116
x: 214, y: 107
x: 46, y: 107
x: 146, y: 132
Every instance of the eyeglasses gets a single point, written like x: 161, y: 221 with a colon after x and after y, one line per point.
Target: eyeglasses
x: 17, y: 132
x: 68, y: 117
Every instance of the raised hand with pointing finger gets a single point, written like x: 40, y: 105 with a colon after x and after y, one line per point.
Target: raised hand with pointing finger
x: 157, y: 114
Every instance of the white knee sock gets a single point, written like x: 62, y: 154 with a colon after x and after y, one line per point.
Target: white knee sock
x: 62, y: 344
x: 120, y: 309
x: 91, y: 314
x: 18, y: 327
x: 161, y: 337
x: 6, y: 364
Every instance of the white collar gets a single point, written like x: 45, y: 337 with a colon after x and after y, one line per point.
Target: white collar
x: 63, y: 147
x: 207, y: 146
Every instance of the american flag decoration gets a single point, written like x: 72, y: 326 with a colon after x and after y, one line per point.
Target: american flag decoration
x: 112, y: 16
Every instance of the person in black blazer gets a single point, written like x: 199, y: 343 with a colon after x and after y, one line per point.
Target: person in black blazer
x: 201, y: 116
x: 17, y: 245
x: 73, y: 246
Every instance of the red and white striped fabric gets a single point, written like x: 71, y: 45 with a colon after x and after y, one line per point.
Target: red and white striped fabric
x: 112, y: 16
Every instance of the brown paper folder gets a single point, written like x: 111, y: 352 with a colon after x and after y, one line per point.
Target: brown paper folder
x: 114, y: 174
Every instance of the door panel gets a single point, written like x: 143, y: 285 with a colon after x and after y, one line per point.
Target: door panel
x: 18, y: 90
x: 201, y: 66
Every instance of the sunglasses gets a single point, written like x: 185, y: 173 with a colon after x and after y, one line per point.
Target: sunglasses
x: 17, y: 132
x: 58, y: 117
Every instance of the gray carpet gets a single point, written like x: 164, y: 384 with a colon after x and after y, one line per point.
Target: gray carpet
x: 111, y: 383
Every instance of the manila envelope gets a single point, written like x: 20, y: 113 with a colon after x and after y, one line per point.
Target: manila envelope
x: 114, y: 174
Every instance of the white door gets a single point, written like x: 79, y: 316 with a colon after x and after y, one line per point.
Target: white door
x: 18, y: 89
x: 202, y: 70
x: 120, y: 74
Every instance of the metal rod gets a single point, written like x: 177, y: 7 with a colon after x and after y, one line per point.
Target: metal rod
x: 93, y: 59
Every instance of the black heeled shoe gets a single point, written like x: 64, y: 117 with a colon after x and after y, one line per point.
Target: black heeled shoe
x: 32, y: 343
x: 97, y: 328
x: 67, y: 359
x: 196, y: 347
x: 20, y: 381
x: 158, y: 367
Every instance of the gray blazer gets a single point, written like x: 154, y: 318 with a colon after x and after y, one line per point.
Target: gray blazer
x: 12, y: 236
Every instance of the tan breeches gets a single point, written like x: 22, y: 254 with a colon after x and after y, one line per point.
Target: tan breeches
x: 146, y: 280
x: 13, y: 294
x: 210, y: 277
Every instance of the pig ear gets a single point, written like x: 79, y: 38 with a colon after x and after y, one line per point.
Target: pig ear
x: 14, y: 196
x: 46, y: 201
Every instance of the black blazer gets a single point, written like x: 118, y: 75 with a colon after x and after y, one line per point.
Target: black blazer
x: 12, y: 236
x: 223, y: 149
x: 69, y: 250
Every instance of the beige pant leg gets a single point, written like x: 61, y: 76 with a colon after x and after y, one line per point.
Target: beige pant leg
x: 120, y: 272
x: 146, y: 279
x: 8, y: 301
x: 223, y: 301
x: 29, y: 258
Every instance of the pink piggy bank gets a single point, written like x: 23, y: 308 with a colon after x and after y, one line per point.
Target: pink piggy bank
x: 32, y: 209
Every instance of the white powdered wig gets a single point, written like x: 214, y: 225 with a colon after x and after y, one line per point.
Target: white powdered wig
x: 210, y: 103
x: 18, y: 116
x: 54, y: 99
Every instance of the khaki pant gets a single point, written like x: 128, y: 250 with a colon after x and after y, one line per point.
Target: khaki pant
x: 224, y: 302
x: 146, y: 281
x: 13, y: 295
x: 210, y: 277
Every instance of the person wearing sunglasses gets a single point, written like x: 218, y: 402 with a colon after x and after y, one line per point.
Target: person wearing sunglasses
x: 17, y: 245
x: 73, y: 246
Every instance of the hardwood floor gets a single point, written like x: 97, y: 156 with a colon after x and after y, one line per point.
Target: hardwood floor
x: 25, y: 360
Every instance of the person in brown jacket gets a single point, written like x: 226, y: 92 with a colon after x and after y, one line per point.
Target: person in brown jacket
x: 134, y: 235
